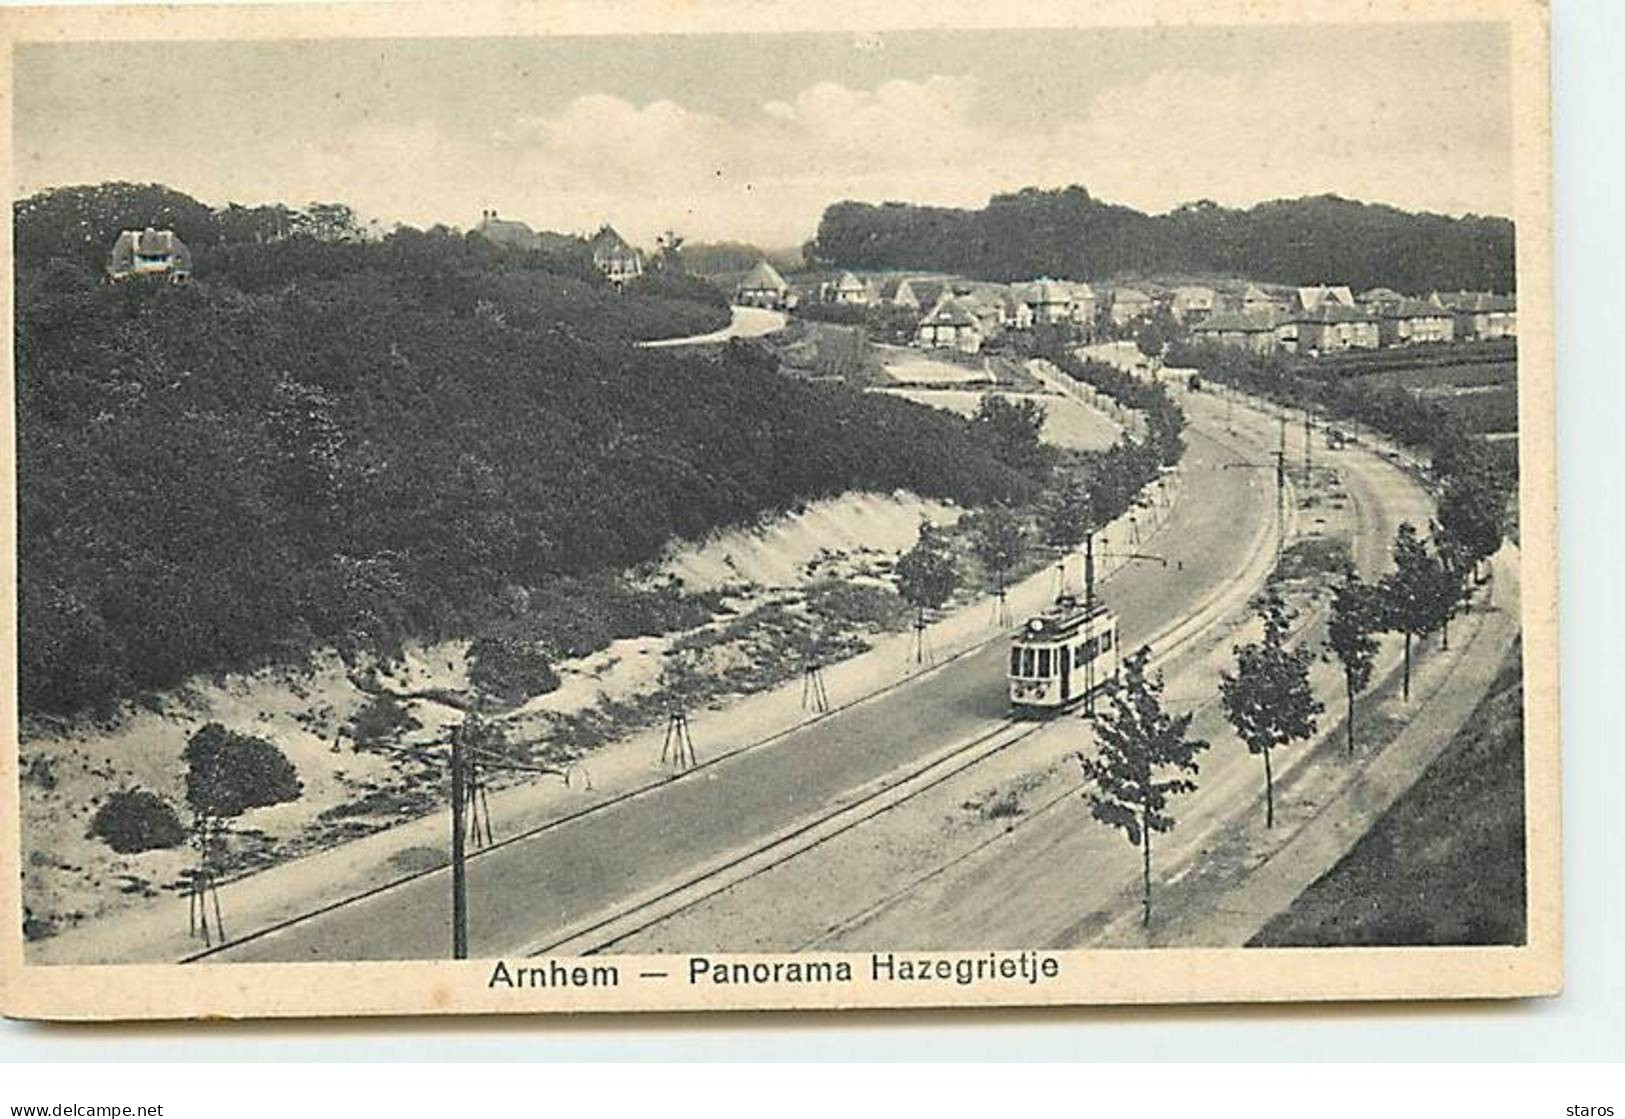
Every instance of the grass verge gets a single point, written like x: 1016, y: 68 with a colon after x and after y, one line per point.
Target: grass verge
x: 1445, y: 864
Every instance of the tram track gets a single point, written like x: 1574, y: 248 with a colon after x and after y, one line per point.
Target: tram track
x: 611, y: 925
x: 617, y: 924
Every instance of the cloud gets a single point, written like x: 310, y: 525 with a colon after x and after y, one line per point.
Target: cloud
x: 1378, y: 128
x: 1171, y: 136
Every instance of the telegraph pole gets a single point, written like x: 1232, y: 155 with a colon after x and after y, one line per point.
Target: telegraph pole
x: 459, y: 873
x: 1308, y: 442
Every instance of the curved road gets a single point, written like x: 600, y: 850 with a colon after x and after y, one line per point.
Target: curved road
x: 748, y: 322
x: 522, y: 892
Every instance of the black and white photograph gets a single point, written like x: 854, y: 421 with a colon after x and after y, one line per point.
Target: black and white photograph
x: 779, y: 515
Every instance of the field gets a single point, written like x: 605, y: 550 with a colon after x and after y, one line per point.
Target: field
x: 1483, y: 395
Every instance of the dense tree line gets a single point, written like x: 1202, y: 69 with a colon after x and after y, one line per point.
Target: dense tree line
x: 349, y: 443
x: 1068, y: 233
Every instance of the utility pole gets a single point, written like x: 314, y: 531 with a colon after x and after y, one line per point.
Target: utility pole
x: 459, y: 871
x: 1308, y: 443
x: 1280, y: 492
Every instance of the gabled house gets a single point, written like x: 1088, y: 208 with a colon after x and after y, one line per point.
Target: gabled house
x: 506, y: 232
x: 848, y: 289
x: 1129, y: 304
x: 1414, y: 321
x: 950, y: 325
x: 614, y: 257
x: 898, y: 291
x: 150, y: 252
x: 1049, y: 300
x: 1333, y: 327
x: 1254, y: 331
x: 989, y: 305
x: 1192, y: 304
x: 1083, y: 304
x: 762, y: 286
x: 1481, y: 314
x: 1313, y: 298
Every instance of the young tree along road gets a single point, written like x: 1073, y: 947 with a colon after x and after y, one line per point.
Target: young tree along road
x: 1139, y: 742
x: 1355, y: 619
x: 1268, y: 699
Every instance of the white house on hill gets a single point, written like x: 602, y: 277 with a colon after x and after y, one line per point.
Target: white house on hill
x: 149, y: 252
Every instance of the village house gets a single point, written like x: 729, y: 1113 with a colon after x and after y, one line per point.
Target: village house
x: 1129, y: 304
x: 1333, y: 327
x: 1049, y: 301
x: 898, y: 291
x: 1480, y: 315
x: 1414, y: 322
x: 1254, y: 331
x: 506, y: 232
x: 1191, y: 305
x: 762, y: 286
x: 614, y: 257
x: 950, y: 325
x: 1311, y: 299
x: 847, y: 289
x: 150, y: 252
x: 1083, y: 305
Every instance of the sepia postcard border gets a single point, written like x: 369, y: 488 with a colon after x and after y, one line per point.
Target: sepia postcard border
x: 1083, y: 976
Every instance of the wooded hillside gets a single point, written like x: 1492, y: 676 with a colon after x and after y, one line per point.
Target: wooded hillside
x: 1069, y: 234
x: 325, y: 442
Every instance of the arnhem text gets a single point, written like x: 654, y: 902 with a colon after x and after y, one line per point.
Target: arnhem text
x: 884, y: 967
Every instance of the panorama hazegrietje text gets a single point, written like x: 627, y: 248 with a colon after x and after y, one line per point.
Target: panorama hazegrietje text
x: 883, y: 967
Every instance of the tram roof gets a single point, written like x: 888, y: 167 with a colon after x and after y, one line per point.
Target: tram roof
x: 1062, y: 619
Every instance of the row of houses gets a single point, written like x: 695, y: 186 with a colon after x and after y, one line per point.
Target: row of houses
x: 1329, y: 319
x: 612, y: 254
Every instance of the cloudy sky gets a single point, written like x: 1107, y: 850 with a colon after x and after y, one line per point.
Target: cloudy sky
x: 751, y: 136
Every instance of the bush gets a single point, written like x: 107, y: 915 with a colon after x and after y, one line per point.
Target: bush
x: 510, y: 667
x: 229, y: 773
x: 383, y: 719
x: 135, y: 820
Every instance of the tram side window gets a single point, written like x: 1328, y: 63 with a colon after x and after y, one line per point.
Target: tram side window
x: 1043, y: 662
x: 1106, y: 641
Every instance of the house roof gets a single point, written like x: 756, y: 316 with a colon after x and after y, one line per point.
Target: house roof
x: 1046, y: 290
x: 148, y: 242
x: 507, y: 233
x: 1193, y: 296
x: 764, y: 277
x: 950, y: 312
x: 1476, y: 301
x: 849, y: 282
x: 607, y: 242
x: 1255, y: 294
x: 1130, y: 295
x: 1309, y: 298
x: 1237, y: 322
x: 1413, y: 309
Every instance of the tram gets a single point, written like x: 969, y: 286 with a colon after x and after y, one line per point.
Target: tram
x: 1063, y: 656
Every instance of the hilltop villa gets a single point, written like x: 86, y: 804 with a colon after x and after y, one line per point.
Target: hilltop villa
x: 151, y: 252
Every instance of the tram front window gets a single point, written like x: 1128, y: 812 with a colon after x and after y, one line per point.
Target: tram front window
x: 1043, y: 662
x: 1015, y: 662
